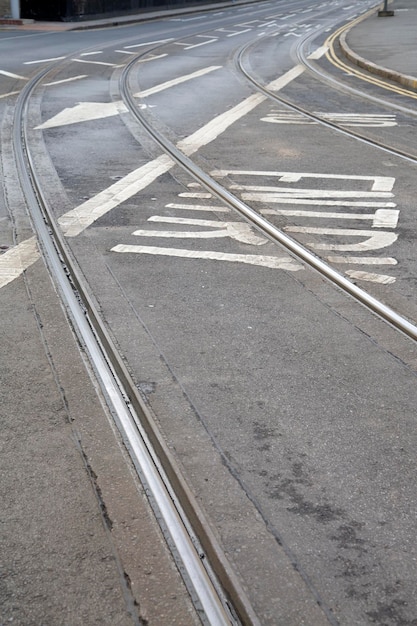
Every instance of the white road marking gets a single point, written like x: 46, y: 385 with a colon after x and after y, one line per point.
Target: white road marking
x: 176, y: 81
x: 374, y: 241
x: 43, y: 60
x: 371, y: 120
x: 379, y: 183
x: 11, y: 93
x: 197, y: 207
x: 148, y: 43
x: 276, y: 198
x: 382, y: 218
x: 16, y: 260
x: 313, y: 193
x: 286, y: 78
x: 282, y: 263
x: 195, y: 194
x: 74, y: 222
x: 65, y: 80
x: 203, y: 43
x: 371, y: 277
x: 239, y: 32
x: 11, y: 75
x: 83, y: 112
x: 89, y: 54
x: 363, y: 260
x: 95, y: 62
x: 317, y: 54
x: 240, y: 231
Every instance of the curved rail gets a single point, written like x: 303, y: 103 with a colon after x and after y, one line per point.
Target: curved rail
x: 259, y: 222
x: 217, y: 603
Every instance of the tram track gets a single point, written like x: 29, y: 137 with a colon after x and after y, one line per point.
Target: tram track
x: 215, y: 592
x: 221, y: 602
x: 264, y: 226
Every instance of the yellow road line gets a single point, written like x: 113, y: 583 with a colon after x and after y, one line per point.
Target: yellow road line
x: 333, y: 58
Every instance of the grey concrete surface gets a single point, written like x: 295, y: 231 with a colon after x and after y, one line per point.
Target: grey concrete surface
x: 386, y: 45
x: 78, y: 542
x: 61, y: 553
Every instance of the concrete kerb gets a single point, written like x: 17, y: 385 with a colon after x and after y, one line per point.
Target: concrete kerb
x: 403, y: 79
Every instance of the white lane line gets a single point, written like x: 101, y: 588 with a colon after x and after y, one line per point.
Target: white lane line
x: 43, y: 60
x: 74, y: 222
x: 16, y: 260
x: 284, y: 263
x: 77, y: 220
x: 11, y: 93
x: 95, y: 62
x: 317, y: 54
x: 11, y: 75
x: 239, y: 32
x: 203, y: 43
x: 148, y: 43
x: 286, y: 78
x: 66, y: 80
x: 176, y: 81
x: 89, y: 54
x: 218, y: 125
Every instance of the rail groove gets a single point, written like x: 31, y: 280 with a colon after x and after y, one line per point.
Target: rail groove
x: 385, y: 312
x: 215, y: 591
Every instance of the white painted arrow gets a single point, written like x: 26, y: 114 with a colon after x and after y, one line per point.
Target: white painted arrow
x: 85, y: 111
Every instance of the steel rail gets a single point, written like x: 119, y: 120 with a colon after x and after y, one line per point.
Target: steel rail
x: 314, y: 116
x: 259, y: 222
x: 126, y: 406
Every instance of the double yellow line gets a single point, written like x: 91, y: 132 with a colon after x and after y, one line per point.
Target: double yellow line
x: 335, y: 60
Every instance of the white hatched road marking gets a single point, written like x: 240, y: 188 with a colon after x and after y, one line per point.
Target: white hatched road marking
x: 11, y: 75
x: 282, y: 263
x: 65, y: 80
x: 240, y: 231
x: 374, y: 240
x: 75, y: 221
x: 385, y: 216
x: 43, y: 61
x: 16, y: 260
x: 368, y: 120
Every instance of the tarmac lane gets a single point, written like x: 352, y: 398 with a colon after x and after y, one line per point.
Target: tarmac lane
x: 289, y: 408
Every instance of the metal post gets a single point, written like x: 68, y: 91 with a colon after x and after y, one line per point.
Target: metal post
x: 15, y: 9
x: 385, y: 12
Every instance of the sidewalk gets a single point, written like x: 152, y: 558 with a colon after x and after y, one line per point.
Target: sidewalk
x: 386, y: 46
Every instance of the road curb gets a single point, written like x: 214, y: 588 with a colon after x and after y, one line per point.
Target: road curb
x: 403, y: 79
